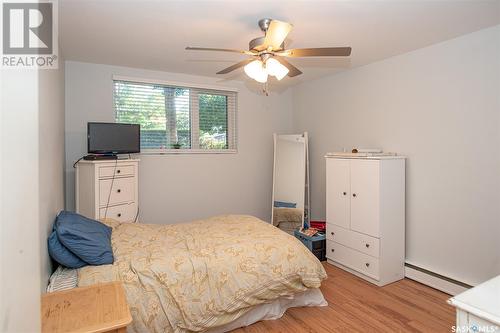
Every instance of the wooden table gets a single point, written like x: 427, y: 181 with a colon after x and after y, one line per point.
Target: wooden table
x: 98, y: 308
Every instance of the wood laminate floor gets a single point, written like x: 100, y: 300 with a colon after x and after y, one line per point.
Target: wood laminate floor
x: 355, y: 305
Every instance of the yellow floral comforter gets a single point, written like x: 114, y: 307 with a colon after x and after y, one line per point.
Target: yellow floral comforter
x: 203, y: 274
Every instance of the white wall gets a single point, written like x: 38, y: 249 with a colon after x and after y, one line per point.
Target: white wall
x: 20, y: 278
x: 439, y: 106
x: 177, y: 188
x: 51, y: 162
x: 32, y: 191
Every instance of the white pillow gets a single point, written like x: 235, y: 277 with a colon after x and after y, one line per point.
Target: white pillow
x: 63, y: 278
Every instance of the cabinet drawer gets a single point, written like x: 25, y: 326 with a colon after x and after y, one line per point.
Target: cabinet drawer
x: 119, y: 170
x: 353, y: 239
x: 122, y: 213
x: 123, y: 191
x: 482, y: 325
x: 353, y: 259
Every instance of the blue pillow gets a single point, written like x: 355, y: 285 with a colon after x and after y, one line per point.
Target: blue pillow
x: 61, y: 254
x: 283, y: 204
x: 88, y: 239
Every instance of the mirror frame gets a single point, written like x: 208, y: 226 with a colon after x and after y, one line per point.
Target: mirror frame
x: 307, y: 204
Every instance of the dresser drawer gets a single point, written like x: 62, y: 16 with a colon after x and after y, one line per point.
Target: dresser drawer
x: 123, y: 191
x: 353, y: 259
x: 116, y: 171
x: 122, y: 213
x: 482, y: 325
x: 354, y: 240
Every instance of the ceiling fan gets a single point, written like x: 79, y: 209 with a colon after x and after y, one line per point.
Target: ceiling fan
x: 268, y: 53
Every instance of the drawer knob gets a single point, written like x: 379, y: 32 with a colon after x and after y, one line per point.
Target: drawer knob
x: 367, y: 245
x: 333, y: 250
x: 119, y: 214
x: 344, y: 193
x: 118, y: 171
x: 367, y: 264
x: 354, y: 195
x: 333, y: 234
x: 118, y: 190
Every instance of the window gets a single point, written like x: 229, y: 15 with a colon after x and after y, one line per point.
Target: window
x: 174, y: 117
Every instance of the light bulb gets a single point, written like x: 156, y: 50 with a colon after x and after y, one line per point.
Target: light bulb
x: 252, y: 68
x: 261, y: 76
x: 275, y: 68
x: 256, y: 71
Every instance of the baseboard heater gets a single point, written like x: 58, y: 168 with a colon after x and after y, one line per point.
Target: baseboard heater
x: 435, y: 280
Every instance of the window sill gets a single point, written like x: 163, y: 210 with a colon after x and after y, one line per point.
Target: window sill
x: 187, y: 151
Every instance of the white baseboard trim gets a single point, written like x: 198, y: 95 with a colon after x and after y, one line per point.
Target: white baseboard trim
x: 434, y: 281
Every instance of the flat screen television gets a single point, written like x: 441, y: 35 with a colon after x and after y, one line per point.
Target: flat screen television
x: 113, y: 138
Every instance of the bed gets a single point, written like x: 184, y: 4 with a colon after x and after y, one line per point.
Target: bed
x: 210, y: 275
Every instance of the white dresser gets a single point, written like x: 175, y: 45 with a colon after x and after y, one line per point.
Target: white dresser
x: 107, y: 188
x: 365, y: 215
x: 478, y: 309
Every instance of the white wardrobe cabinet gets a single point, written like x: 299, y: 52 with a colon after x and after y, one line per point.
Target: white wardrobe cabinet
x: 365, y: 213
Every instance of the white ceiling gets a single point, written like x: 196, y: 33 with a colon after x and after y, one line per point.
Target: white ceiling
x: 153, y: 34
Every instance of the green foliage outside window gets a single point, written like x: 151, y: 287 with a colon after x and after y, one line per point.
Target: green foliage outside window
x: 165, y: 116
x: 213, y: 121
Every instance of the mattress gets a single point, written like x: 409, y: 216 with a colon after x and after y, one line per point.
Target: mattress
x: 274, y: 310
x: 205, y: 274
x: 66, y: 278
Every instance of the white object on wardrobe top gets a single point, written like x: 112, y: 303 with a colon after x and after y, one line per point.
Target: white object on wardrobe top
x: 371, y: 156
x: 482, y: 300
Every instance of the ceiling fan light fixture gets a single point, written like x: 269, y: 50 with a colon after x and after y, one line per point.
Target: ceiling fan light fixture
x: 256, y: 71
x: 276, y: 69
x: 268, y: 54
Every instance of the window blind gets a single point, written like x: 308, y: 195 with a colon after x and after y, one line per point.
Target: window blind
x: 173, y: 117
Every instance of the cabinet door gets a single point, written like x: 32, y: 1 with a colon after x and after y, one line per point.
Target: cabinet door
x: 337, y: 192
x: 365, y: 188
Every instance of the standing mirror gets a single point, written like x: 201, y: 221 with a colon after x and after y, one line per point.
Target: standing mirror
x: 290, y: 206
